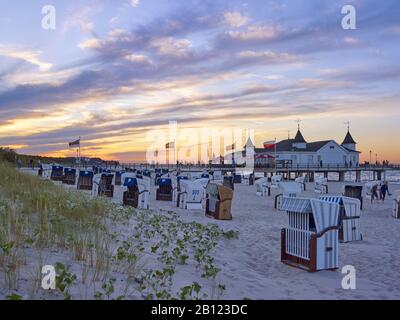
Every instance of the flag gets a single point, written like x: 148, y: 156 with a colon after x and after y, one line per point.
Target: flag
x: 170, y: 145
x: 76, y: 143
x: 269, y: 145
x: 230, y: 147
x: 156, y: 153
x: 264, y: 156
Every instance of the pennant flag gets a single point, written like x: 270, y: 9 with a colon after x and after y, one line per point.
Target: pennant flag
x: 264, y: 156
x: 269, y: 145
x: 170, y: 145
x: 188, y: 153
x: 75, y: 143
x: 156, y: 153
x: 230, y: 147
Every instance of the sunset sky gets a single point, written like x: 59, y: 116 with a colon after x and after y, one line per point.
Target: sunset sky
x: 115, y: 69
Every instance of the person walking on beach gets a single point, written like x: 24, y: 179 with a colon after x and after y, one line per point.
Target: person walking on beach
x: 384, y: 190
x: 374, y: 194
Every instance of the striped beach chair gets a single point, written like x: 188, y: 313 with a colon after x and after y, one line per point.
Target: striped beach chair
x: 349, y: 217
x: 311, y: 238
x: 396, y: 207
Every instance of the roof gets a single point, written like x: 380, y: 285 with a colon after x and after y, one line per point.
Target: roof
x: 299, y: 138
x: 348, y: 139
x: 287, y: 145
x: 249, y: 144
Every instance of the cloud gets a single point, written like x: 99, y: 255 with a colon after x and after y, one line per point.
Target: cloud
x: 235, y: 19
x: 171, y: 46
x: 30, y: 56
x: 255, y: 33
x: 135, y: 3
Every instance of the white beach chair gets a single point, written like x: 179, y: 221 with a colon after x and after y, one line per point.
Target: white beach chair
x: 321, y: 185
x: 311, y: 237
x: 191, y: 195
x: 275, y: 180
x: 286, y: 189
x: 302, y: 182
x: 349, y: 217
x: 135, y: 192
x: 396, y: 207
x: 262, y: 187
x: 102, y: 185
x: 46, y: 171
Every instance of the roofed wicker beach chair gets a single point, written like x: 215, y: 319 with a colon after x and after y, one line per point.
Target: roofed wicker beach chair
x: 396, y: 207
x: 262, y: 187
x: 85, y: 180
x: 102, y: 185
x: 118, y: 178
x: 228, y: 182
x: 311, y: 238
x: 219, y: 202
x: 136, y: 193
x: 286, y: 189
x: 57, y: 173
x: 349, y: 217
x: 157, y: 177
x: 354, y: 191
x: 321, y: 185
x: 237, y: 178
x: 164, y: 190
x: 69, y: 177
x: 302, y: 182
x: 190, y: 195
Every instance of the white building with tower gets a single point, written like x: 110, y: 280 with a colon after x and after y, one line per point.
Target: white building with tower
x: 299, y: 152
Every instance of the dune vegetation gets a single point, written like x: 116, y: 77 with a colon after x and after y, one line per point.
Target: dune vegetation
x: 99, y: 250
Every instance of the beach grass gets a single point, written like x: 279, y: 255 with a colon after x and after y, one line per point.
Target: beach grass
x: 100, y: 250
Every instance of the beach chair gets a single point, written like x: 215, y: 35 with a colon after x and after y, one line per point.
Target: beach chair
x: 164, y: 190
x: 136, y: 193
x: 396, y: 207
x: 354, y: 191
x: 57, y: 173
x: 251, y: 179
x: 262, y: 187
x: 228, y: 182
x: 217, y: 175
x: 117, y: 180
x: 69, y: 177
x: 191, y: 195
x: 302, y: 182
x: 286, y: 189
x: 349, y: 217
x: 218, y: 202
x: 157, y: 177
x: 205, y: 175
x: 146, y: 173
x: 85, y: 180
x: 311, y: 238
x: 321, y: 185
x: 102, y: 185
x: 164, y: 171
x: 237, y: 178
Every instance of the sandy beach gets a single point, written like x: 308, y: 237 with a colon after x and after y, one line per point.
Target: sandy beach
x: 250, y: 266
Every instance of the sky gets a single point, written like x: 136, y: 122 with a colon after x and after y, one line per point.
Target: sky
x: 114, y: 70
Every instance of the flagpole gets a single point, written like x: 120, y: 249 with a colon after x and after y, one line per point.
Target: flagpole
x: 275, y: 157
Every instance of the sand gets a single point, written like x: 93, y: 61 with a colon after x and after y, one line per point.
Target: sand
x: 251, y: 266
